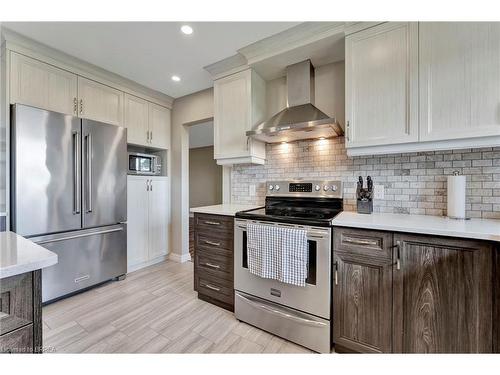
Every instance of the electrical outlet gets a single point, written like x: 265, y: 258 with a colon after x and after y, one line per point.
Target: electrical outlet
x: 251, y: 190
x: 379, y: 191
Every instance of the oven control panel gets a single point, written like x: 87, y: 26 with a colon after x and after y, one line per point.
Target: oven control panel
x: 294, y: 188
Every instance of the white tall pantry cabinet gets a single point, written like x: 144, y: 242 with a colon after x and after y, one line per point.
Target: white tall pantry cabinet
x: 148, y: 219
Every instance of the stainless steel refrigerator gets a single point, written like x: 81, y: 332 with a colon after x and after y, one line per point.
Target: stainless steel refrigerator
x: 69, y: 194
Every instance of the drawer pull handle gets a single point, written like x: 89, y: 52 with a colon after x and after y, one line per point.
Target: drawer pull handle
x: 216, y: 266
x: 212, y: 287
x: 212, y: 243
x: 356, y: 241
x: 336, y: 273
x: 212, y: 223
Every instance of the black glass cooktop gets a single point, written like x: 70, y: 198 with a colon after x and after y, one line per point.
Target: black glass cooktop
x: 307, y: 211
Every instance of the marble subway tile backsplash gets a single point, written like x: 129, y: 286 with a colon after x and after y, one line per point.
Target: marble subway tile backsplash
x: 415, y: 183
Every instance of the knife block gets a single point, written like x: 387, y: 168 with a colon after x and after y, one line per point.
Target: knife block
x: 364, y: 206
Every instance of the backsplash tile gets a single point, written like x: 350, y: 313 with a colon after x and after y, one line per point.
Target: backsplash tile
x: 415, y: 183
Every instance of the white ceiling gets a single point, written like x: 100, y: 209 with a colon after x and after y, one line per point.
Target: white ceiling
x: 151, y: 52
x: 201, y: 135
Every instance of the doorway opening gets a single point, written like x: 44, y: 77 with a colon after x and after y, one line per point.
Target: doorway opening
x: 205, y: 176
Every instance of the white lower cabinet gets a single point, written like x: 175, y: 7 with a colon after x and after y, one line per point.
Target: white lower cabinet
x: 148, y: 218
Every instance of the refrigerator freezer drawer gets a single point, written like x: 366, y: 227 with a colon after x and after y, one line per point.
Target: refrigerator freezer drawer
x: 304, y: 329
x: 86, y: 258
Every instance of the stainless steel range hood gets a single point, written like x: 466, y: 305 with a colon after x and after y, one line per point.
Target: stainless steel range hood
x: 301, y: 119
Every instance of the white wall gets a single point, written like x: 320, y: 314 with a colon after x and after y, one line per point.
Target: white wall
x: 187, y: 109
x: 201, y: 135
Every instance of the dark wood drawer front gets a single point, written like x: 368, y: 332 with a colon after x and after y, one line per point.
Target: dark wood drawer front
x: 214, y: 242
x: 214, y: 288
x: 213, y: 223
x: 16, y: 302
x: 18, y: 341
x: 218, y: 266
x: 366, y: 243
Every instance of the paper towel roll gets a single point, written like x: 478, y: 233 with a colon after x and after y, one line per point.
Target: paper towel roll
x: 456, y: 197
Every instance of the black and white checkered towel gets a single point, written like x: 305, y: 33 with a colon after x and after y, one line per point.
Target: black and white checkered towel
x: 278, y: 253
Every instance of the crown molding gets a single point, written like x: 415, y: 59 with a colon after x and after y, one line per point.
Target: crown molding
x: 288, y: 40
x: 228, y: 66
x: 39, y: 51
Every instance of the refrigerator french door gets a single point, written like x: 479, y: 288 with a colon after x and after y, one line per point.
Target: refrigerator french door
x: 68, y: 193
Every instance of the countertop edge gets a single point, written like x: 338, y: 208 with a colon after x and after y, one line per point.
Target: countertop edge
x: 457, y: 233
x: 388, y: 228
x: 229, y: 210
x: 28, y: 267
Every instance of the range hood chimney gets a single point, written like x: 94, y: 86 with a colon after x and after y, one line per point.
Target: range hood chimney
x: 301, y: 119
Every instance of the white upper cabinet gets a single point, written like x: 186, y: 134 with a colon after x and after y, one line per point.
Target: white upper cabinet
x: 159, y: 126
x: 136, y: 119
x: 459, y: 80
x: 42, y: 85
x: 239, y: 104
x: 99, y: 102
x: 148, y: 124
x: 382, y: 85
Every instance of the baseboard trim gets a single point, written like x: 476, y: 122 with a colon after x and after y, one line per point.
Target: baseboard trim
x: 136, y: 267
x: 179, y: 258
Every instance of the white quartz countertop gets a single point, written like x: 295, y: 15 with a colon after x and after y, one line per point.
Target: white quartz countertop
x: 224, y: 209
x: 19, y: 255
x: 480, y: 229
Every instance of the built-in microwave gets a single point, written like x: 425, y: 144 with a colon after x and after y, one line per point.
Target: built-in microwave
x: 146, y: 164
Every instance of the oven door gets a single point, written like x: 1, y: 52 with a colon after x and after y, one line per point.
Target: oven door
x: 314, y: 298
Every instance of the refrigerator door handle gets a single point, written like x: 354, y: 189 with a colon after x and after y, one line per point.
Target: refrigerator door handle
x: 71, y: 237
x: 77, y: 173
x: 88, y: 187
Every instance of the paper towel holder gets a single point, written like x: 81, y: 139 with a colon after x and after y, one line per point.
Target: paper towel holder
x: 456, y: 172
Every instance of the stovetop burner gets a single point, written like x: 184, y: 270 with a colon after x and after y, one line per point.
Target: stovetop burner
x: 308, y: 203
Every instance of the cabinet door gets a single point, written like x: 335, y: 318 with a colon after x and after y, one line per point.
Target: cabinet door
x: 99, y: 102
x: 442, y: 295
x: 159, y: 126
x: 362, y: 291
x: 459, y: 80
x: 136, y: 120
x: 42, y: 85
x: 159, y: 213
x: 382, y: 85
x: 232, y: 97
x: 137, y: 220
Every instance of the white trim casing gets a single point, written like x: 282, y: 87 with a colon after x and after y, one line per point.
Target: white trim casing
x: 174, y: 257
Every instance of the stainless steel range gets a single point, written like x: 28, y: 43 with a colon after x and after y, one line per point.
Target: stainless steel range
x: 299, y: 314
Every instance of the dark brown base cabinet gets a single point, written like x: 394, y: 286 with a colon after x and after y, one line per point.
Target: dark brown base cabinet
x: 213, y: 259
x: 404, y: 293
x: 21, y: 313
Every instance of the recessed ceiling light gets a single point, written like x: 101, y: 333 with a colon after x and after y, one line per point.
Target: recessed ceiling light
x: 321, y: 138
x: 186, y: 29
x: 176, y: 78
x: 284, y: 143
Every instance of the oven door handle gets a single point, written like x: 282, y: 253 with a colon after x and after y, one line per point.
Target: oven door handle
x: 281, y: 313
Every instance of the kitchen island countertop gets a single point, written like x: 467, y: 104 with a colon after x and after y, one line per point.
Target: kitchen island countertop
x: 480, y: 229
x: 19, y: 255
